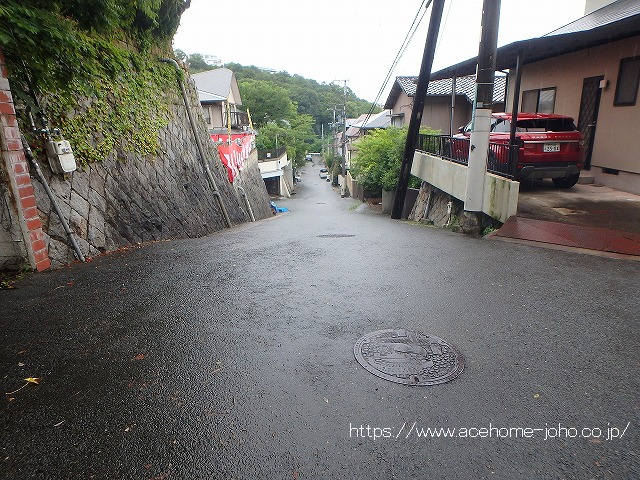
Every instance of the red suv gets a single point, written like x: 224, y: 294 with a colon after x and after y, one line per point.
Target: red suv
x: 550, y: 146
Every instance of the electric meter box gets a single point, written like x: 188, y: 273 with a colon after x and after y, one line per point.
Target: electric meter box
x: 60, y: 155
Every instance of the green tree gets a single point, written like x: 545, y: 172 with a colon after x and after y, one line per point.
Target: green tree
x: 266, y: 101
x: 197, y: 64
x: 180, y: 55
x: 311, y: 97
x: 379, y: 157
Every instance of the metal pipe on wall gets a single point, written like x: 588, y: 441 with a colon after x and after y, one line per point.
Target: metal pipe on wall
x: 72, y: 240
x: 246, y: 200
x: 205, y: 164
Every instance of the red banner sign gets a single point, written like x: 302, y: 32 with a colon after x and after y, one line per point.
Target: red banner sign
x: 235, y: 153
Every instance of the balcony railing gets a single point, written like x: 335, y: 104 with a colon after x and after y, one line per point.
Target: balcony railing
x: 271, y: 154
x: 239, y: 120
x: 499, y: 160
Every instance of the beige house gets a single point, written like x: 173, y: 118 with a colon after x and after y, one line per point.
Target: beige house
x: 438, y: 104
x: 589, y: 70
x: 220, y: 99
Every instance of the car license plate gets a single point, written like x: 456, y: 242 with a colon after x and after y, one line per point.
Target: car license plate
x: 551, y: 147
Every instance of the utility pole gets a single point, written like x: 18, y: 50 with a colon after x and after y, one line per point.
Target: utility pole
x: 481, y: 123
x: 418, y: 107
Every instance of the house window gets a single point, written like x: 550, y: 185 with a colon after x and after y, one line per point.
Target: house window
x: 207, y: 114
x: 397, y: 119
x: 540, y: 100
x: 628, y: 78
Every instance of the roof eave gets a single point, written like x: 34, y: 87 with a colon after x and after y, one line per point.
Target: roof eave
x: 541, y: 48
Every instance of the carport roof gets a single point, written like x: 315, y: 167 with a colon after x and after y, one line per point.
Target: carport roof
x: 612, y: 22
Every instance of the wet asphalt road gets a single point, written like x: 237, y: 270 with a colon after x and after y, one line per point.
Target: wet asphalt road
x: 231, y: 356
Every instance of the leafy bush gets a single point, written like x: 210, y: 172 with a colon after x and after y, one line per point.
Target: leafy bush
x: 94, y: 66
x: 54, y: 41
x: 379, y: 157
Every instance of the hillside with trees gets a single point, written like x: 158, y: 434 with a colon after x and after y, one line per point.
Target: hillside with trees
x: 288, y: 107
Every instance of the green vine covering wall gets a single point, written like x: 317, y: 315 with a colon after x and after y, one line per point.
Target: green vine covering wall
x: 94, y: 65
x: 127, y: 117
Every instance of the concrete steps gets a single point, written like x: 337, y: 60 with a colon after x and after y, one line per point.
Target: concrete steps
x: 586, y: 178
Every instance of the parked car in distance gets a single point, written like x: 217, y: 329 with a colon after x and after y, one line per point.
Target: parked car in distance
x: 549, y: 146
x: 323, y: 173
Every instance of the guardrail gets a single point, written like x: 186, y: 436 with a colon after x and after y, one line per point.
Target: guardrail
x: 501, y: 159
x: 271, y: 154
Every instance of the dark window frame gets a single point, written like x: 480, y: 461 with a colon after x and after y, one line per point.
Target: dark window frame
x: 555, y: 94
x: 617, y: 103
x: 538, y: 91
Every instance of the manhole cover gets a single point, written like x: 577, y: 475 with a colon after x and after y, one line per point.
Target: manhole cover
x: 409, y: 357
x: 336, y: 235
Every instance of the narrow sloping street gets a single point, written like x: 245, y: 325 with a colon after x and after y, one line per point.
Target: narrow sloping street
x: 231, y: 356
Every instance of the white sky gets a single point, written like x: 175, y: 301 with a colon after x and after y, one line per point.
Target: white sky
x: 353, y: 39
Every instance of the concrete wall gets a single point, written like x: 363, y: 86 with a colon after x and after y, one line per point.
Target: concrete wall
x: 500, y: 199
x: 388, y: 197
x: 251, y: 181
x: 135, y: 198
x: 618, y: 127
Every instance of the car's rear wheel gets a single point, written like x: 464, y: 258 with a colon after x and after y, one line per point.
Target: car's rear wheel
x: 566, y: 182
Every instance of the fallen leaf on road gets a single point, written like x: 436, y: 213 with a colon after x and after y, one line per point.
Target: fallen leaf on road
x: 217, y: 370
x: 70, y: 283
x: 139, y: 356
x: 326, y: 400
x: 20, y: 364
x: 536, y: 395
x: 59, y: 423
x: 34, y: 380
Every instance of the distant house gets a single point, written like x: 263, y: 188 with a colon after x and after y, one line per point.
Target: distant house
x: 589, y: 70
x: 277, y: 173
x: 437, y: 108
x: 220, y: 99
x: 362, y: 125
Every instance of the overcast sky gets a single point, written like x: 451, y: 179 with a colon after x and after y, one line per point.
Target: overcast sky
x: 353, y: 39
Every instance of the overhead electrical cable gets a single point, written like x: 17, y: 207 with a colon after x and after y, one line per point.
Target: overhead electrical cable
x: 422, y: 10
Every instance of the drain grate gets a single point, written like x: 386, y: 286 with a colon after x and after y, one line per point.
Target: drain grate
x: 336, y: 235
x: 408, y: 357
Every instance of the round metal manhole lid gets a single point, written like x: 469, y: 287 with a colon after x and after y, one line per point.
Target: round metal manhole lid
x: 408, y: 357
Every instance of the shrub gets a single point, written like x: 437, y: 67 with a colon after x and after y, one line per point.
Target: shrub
x: 377, y: 164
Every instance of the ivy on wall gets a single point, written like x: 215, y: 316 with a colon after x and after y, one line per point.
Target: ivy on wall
x: 94, y: 66
x: 124, y: 119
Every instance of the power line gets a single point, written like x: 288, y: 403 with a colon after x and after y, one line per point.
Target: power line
x: 403, y: 47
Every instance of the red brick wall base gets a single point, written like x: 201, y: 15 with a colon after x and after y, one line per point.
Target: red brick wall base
x: 17, y: 170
